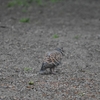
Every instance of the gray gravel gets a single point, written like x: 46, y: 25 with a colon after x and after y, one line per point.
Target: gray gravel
x: 22, y: 46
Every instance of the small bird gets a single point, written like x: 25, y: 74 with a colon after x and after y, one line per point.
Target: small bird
x: 51, y: 60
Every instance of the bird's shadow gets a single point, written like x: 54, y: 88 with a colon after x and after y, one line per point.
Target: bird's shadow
x: 51, y: 73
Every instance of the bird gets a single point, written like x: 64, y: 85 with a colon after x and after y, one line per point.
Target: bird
x: 51, y: 60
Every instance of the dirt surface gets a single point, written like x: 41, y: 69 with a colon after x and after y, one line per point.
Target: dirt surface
x: 22, y: 46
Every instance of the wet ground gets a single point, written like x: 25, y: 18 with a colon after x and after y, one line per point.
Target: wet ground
x: 22, y: 46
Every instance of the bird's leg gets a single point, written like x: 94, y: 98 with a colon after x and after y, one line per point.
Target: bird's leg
x: 52, y: 71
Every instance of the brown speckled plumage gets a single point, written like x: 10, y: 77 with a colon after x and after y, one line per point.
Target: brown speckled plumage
x: 52, y: 59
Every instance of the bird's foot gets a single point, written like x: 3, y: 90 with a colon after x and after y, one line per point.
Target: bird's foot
x: 54, y: 73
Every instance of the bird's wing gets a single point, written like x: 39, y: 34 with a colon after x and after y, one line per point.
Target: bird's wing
x: 52, y: 57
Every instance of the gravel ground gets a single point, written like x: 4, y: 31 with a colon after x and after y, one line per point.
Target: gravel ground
x: 22, y: 46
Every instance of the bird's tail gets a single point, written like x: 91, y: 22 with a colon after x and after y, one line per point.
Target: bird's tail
x: 42, y: 70
x: 42, y: 67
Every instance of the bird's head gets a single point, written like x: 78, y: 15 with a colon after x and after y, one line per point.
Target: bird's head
x: 61, y: 50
